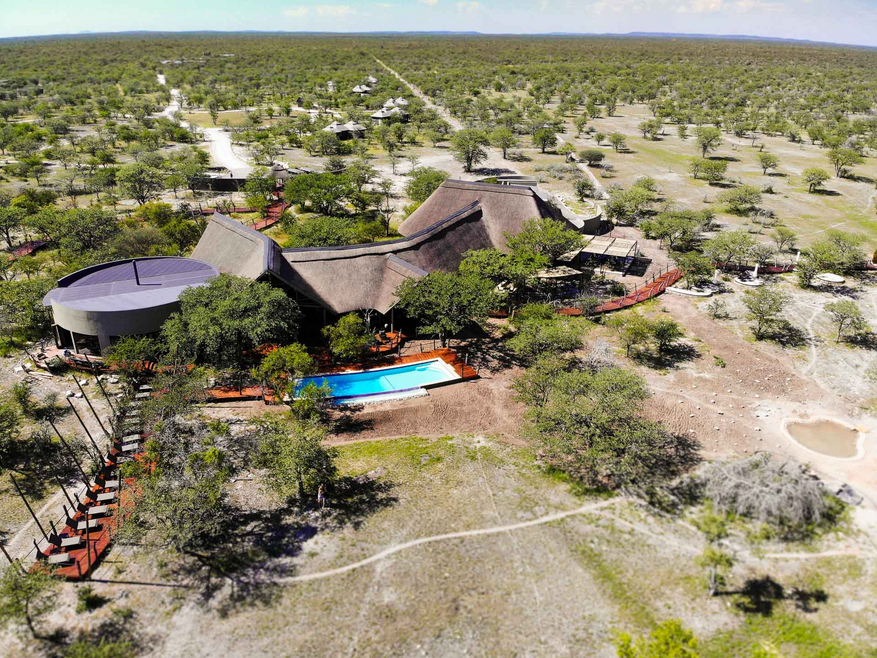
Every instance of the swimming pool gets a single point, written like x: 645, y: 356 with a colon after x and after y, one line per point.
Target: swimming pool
x: 381, y: 384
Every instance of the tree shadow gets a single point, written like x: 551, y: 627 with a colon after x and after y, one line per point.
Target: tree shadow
x: 725, y: 185
x: 761, y: 595
x: 824, y: 192
x: 778, y: 174
x: 841, y: 290
x: 859, y: 178
x: 785, y: 334
x: 518, y: 157
x: 669, y: 358
x: 493, y: 171
x: 724, y: 158
x: 866, y: 340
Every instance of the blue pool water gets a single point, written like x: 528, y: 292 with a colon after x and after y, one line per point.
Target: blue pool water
x: 385, y: 381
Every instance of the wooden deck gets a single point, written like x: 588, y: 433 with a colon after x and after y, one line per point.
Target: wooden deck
x: 652, y: 289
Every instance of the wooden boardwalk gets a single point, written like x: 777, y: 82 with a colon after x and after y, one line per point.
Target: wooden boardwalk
x: 652, y: 289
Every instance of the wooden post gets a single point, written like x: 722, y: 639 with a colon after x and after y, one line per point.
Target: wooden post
x: 96, y: 417
x: 11, y: 561
x: 103, y: 390
x: 87, y: 543
x: 72, y: 455
x: 99, y: 456
x: 29, y: 509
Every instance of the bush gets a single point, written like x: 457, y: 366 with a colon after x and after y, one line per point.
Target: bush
x: 348, y: 338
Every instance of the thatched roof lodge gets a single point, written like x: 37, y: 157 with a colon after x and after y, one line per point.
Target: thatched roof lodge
x: 459, y: 216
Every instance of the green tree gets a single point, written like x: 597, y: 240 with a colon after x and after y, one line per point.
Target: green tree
x: 741, y: 200
x: 132, y: 355
x: 714, y: 526
x: 543, y: 236
x: 446, y: 303
x: 843, y: 159
x: 140, y: 181
x: 695, y: 266
x: 324, y: 193
x: 632, y: 330
x: 592, y: 156
x: 784, y: 238
x: 423, y: 182
x: 668, y: 640
x: 348, y: 338
x: 223, y: 322
x: 628, y: 206
x: 665, y: 332
x: 27, y: 597
x: 815, y: 178
x: 618, y: 141
x: 679, y: 229
x: 537, y: 337
x: 467, y: 145
x: 504, y: 139
x: 585, y: 188
x: 714, y: 170
x: 281, y: 367
x: 767, y: 161
x: 764, y: 306
x: 545, y: 139
x: 11, y: 220
x: 708, y: 139
x: 317, y: 232
x: 729, y: 247
x: 848, y: 317
x: 587, y: 424
x: 296, y: 460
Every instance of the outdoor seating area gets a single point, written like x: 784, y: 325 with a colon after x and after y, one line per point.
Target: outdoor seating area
x: 605, y: 252
x: 93, y: 514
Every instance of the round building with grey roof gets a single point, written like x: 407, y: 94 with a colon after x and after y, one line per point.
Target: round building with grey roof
x: 95, y: 306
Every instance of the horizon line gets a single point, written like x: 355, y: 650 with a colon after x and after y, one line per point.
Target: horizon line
x: 471, y: 33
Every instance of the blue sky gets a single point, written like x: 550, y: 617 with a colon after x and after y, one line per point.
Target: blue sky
x: 843, y: 21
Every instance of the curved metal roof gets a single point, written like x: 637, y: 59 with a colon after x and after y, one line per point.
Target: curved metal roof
x: 131, y: 284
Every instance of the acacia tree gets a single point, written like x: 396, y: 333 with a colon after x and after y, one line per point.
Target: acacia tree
x: 543, y: 236
x: 140, y: 181
x: 815, y: 178
x: 843, y: 159
x: 26, y: 596
x: 292, y: 452
x: 708, y: 139
x: 467, y: 145
x: 348, y: 338
x: 847, y: 316
x: 223, y: 322
x: 767, y: 161
x: 764, y: 306
x: 281, y: 367
x: 618, y: 141
x: 545, y: 139
x: 445, y: 303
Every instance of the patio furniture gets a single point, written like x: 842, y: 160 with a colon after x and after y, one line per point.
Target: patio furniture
x: 60, y: 558
x: 97, y: 509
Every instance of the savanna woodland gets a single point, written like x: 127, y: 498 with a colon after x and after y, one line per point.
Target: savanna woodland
x: 658, y: 437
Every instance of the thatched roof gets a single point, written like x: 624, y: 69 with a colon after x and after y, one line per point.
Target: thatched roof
x: 505, y: 208
x: 458, y: 217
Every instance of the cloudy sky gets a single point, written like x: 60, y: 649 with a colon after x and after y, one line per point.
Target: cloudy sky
x: 843, y: 21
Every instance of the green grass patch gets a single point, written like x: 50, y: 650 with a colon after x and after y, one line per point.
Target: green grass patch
x: 629, y: 601
x: 784, y: 632
x: 412, y: 451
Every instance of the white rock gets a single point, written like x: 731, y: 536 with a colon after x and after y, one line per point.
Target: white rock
x: 68, y: 394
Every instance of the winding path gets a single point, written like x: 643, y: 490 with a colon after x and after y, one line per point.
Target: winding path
x: 387, y: 552
x: 221, y: 149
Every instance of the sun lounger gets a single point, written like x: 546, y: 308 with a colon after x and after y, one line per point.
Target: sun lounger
x: 145, y: 387
x: 68, y: 542
x: 110, y: 484
x: 106, y: 497
x: 98, y: 509
x: 92, y: 523
x: 130, y: 447
x: 130, y: 438
x: 141, y: 396
x: 60, y: 558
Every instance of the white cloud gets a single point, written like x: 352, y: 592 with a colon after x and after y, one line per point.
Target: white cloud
x: 297, y: 12
x: 701, y: 7
x: 334, y: 11
x: 469, y: 6
x: 431, y: 3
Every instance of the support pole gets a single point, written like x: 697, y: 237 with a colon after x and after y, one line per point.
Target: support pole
x: 87, y: 542
x: 9, y: 558
x: 96, y: 417
x: 72, y: 455
x: 29, y: 509
x: 79, y: 418
x: 97, y: 379
x: 63, y: 490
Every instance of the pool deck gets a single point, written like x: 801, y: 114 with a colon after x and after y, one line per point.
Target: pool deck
x: 446, y: 354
